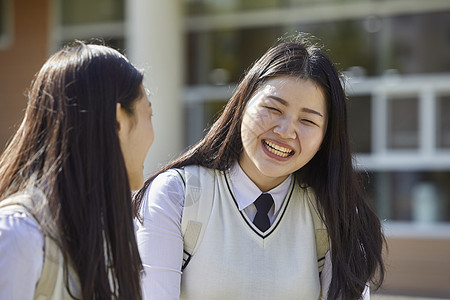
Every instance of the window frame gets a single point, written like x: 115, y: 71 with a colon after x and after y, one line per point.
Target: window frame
x: 62, y: 32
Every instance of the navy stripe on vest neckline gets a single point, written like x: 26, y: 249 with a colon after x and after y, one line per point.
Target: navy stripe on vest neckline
x: 246, y: 219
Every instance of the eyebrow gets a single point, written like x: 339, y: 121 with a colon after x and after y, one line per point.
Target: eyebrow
x: 312, y: 111
x: 285, y: 103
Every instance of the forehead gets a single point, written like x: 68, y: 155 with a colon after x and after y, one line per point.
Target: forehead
x: 293, y: 90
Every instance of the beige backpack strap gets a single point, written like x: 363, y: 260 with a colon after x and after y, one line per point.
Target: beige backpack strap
x: 320, y: 232
x: 52, y: 257
x: 199, y: 187
x: 45, y: 286
x: 47, y: 281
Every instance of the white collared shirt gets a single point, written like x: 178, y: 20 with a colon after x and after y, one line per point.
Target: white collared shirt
x: 21, y: 254
x: 246, y: 192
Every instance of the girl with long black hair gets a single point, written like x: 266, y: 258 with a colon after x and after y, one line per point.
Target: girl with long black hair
x: 66, y: 225
x: 279, y: 151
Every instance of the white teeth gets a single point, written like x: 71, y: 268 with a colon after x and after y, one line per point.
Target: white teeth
x: 276, y: 149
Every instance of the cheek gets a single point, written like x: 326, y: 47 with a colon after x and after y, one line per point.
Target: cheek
x: 318, y: 142
x: 144, y: 135
x: 256, y: 123
x: 150, y: 130
x: 312, y: 138
x: 149, y: 135
x: 250, y: 130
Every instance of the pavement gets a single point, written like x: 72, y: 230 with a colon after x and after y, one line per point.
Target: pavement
x: 389, y: 297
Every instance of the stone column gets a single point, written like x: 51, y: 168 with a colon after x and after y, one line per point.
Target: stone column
x: 154, y: 41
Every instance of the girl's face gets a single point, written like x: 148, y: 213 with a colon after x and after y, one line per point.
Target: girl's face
x: 136, y: 136
x: 283, y: 126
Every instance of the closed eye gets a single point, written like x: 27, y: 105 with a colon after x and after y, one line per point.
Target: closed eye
x: 309, y: 122
x: 273, y: 109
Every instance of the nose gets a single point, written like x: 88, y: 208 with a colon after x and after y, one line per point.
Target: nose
x: 286, y: 129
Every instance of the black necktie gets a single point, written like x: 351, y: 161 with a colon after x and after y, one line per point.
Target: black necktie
x: 263, y: 205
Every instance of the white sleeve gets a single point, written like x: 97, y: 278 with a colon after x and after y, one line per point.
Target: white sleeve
x: 327, y: 274
x: 159, y: 237
x: 325, y: 277
x: 21, y: 255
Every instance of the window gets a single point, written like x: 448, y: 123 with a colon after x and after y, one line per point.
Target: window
x: 405, y: 42
x: 200, y: 117
x: 418, y: 196
x: 202, y: 7
x: 359, y: 123
x: 5, y: 23
x: 403, y: 123
x: 87, y: 11
x: 230, y: 51
x: 443, y: 121
x: 419, y: 43
x: 88, y: 20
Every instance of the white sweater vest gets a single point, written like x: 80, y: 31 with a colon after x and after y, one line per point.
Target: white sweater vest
x: 235, y: 260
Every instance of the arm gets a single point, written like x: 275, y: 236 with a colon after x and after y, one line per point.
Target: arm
x: 325, y: 279
x: 21, y: 255
x: 159, y: 237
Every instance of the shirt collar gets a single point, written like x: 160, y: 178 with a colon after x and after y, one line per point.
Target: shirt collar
x: 246, y: 191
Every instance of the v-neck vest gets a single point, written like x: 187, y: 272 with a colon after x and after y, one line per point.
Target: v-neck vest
x: 235, y: 260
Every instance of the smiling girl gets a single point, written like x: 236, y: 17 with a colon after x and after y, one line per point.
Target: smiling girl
x: 278, y: 154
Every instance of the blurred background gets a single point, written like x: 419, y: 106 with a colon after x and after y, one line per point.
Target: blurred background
x: 395, y: 55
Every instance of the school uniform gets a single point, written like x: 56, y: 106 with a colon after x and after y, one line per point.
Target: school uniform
x: 223, y: 266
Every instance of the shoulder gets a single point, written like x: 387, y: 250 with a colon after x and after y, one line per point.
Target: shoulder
x: 21, y: 254
x: 166, y: 191
x: 305, y: 192
x: 167, y: 181
x: 178, y: 178
x: 20, y: 235
x: 171, y: 185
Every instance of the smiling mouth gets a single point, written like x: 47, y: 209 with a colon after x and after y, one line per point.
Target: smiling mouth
x: 277, y: 150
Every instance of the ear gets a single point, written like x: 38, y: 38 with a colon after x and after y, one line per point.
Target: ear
x: 120, y: 118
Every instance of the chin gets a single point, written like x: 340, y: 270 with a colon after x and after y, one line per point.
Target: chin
x: 135, y: 187
x: 136, y: 183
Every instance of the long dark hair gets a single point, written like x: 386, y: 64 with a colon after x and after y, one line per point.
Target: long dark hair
x: 353, y: 227
x: 67, y: 146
